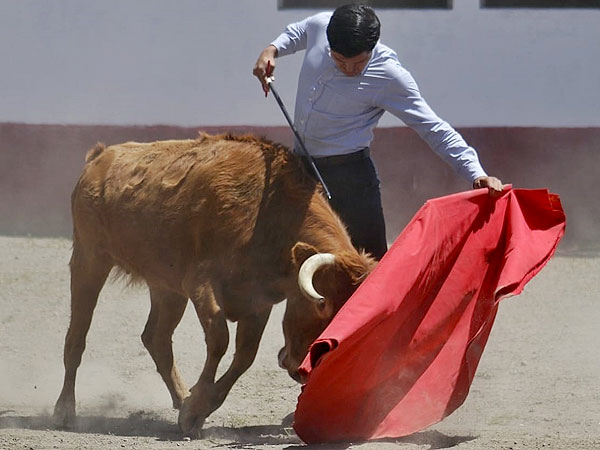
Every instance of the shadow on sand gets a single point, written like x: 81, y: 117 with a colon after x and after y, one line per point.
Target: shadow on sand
x: 147, y: 425
x: 433, y: 439
x: 137, y: 424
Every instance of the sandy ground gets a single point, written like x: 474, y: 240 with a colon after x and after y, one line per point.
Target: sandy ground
x: 538, y: 384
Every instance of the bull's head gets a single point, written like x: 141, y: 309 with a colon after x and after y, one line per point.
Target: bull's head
x: 325, y: 282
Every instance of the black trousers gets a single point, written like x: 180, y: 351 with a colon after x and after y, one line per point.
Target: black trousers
x: 354, y: 186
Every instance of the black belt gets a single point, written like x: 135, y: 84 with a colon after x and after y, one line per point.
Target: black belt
x: 342, y: 159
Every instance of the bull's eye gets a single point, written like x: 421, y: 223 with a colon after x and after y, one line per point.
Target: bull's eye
x: 324, y: 308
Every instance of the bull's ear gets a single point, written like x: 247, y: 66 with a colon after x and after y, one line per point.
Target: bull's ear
x: 301, y: 252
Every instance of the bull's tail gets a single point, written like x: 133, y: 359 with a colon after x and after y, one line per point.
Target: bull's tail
x: 94, y: 152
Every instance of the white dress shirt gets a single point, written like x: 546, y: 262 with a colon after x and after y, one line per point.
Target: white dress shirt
x: 335, y: 114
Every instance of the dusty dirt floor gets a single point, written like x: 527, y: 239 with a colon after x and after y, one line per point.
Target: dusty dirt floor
x: 537, y: 387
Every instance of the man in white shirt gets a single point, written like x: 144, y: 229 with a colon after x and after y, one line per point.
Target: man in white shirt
x: 347, y: 81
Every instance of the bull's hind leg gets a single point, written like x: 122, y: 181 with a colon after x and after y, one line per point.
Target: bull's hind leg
x: 88, y: 275
x: 166, y: 312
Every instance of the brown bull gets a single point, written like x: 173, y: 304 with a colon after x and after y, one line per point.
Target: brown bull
x: 227, y: 222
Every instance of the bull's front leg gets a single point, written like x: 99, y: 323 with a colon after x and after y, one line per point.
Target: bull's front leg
x: 206, y: 396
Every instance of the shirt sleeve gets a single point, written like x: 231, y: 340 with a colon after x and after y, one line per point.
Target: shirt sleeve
x: 293, y: 39
x: 402, y: 98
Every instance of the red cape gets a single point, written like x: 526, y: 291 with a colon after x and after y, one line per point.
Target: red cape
x: 402, y: 352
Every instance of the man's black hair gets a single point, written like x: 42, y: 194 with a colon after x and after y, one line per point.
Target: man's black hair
x: 353, y: 29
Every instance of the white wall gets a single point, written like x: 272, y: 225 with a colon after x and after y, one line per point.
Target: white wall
x: 189, y: 62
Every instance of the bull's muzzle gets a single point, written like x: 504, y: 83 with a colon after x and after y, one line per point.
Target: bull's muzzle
x: 284, y: 363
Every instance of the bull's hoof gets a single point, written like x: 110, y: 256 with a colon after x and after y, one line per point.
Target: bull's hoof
x: 190, y: 421
x: 194, y: 433
x: 64, y: 416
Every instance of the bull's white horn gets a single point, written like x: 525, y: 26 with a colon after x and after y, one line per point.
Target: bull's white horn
x: 307, y: 271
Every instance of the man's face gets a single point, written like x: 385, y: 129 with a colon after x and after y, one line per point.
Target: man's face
x: 351, y: 66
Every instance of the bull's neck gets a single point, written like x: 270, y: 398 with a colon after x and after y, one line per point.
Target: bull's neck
x: 324, y: 229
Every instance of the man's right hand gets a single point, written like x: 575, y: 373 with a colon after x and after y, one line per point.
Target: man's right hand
x: 267, y: 57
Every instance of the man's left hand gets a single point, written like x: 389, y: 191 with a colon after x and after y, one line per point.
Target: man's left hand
x: 493, y: 184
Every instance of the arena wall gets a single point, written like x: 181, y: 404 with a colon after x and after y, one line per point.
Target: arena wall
x: 39, y: 166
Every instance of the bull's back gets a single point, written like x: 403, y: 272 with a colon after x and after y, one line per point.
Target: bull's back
x: 151, y: 200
